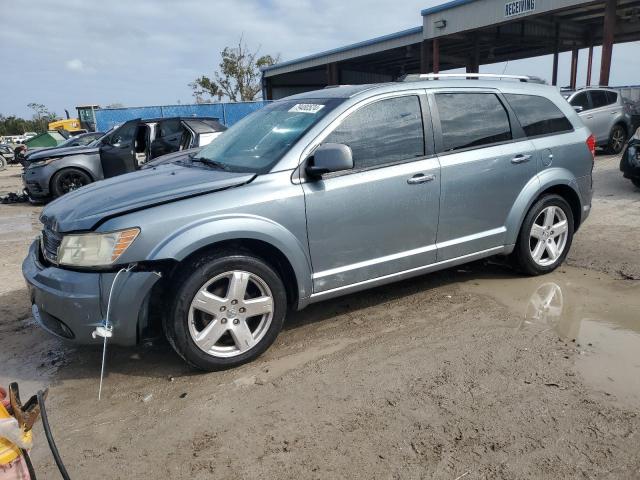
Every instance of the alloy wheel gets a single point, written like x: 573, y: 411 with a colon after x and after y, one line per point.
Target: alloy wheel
x: 617, y: 140
x: 548, y: 236
x: 230, y: 313
x: 71, y: 181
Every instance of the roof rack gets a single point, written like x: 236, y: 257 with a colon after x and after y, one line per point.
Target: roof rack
x: 436, y: 76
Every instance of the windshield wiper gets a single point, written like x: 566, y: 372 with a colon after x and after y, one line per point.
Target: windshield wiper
x: 212, y: 163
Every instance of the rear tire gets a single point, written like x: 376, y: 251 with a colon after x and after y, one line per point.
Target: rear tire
x: 636, y: 182
x: 67, y: 180
x: 617, y: 138
x: 545, y: 236
x: 210, y: 323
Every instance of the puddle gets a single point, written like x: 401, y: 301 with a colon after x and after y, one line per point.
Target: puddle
x: 602, y: 315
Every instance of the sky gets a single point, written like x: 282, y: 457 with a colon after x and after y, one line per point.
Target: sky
x: 146, y: 52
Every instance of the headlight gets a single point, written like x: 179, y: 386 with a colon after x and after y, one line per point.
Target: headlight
x: 41, y: 162
x: 95, y: 249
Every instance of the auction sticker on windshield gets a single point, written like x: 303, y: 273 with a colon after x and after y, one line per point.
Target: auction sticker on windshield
x: 306, y: 108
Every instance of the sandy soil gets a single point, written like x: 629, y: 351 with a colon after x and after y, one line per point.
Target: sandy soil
x: 473, y: 372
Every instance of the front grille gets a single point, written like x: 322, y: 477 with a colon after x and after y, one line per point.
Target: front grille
x: 50, y: 242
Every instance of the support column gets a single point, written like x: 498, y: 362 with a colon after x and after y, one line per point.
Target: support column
x: 473, y: 64
x: 333, y: 75
x: 436, y: 55
x: 574, y: 68
x: 267, y: 90
x: 589, y: 64
x: 425, y: 56
x: 556, y: 53
x: 607, y: 41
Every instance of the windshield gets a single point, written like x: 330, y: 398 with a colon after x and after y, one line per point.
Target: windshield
x: 259, y: 140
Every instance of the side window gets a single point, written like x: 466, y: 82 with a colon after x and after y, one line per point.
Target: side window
x: 612, y: 97
x: 581, y: 100
x: 383, y: 132
x: 169, y: 127
x: 598, y: 98
x: 538, y: 115
x: 124, y: 135
x: 471, y: 120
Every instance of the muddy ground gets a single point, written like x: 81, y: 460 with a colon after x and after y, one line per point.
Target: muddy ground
x: 474, y: 372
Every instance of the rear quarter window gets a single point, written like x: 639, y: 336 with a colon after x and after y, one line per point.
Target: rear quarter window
x: 538, y: 115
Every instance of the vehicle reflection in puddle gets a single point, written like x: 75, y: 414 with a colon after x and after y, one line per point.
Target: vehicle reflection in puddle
x: 599, y: 314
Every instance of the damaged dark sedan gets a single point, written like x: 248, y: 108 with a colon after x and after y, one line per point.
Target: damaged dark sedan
x: 52, y: 173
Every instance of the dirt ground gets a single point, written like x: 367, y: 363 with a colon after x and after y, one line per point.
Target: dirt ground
x: 473, y: 373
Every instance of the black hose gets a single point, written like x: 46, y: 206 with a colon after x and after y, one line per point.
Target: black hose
x: 52, y: 443
x: 27, y: 460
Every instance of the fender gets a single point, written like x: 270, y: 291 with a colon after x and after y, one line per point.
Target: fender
x: 191, y: 237
x: 545, y: 179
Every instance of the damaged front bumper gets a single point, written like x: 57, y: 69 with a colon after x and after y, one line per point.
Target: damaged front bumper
x: 71, y: 304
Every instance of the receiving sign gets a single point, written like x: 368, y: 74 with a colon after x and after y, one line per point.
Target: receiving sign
x: 518, y: 7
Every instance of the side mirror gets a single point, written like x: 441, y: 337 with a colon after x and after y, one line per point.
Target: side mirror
x: 578, y: 108
x: 329, y: 157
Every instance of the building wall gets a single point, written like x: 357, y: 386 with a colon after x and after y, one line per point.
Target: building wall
x: 469, y: 15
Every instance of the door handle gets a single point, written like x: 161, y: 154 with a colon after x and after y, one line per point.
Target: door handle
x: 521, y: 158
x: 589, y: 116
x: 420, y: 178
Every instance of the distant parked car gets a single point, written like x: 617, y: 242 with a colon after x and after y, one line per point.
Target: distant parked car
x: 77, y: 141
x: 6, y: 153
x: 605, y: 113
x: 54, y: 172
x: 630, y: 161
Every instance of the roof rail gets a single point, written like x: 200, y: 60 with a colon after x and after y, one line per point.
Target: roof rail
x: 436, y: 76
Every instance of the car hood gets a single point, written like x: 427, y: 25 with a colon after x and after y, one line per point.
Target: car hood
x: 59, y: 152
x: 87, y: 206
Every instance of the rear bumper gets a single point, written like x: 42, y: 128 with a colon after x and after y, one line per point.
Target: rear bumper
x: 72, y: 304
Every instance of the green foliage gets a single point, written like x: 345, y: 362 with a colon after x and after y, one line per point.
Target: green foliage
x: 13, y: 125
x: 41, y: 116
x: 237, y: 78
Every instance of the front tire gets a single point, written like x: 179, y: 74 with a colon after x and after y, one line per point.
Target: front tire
x: 67, y: 180
x: 545, y: 236
x: 617, y: 138
x: 3, y: 164
x: 636, y: 182
x: 228, y: 309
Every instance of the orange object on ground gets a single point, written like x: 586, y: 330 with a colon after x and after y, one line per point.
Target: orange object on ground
x: 12, y: 463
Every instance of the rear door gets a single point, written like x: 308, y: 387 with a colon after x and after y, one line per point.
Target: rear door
x: 602, y: 113
x: 583, y: 100
x: 117, y: 152
x: 485, y: 163
x: 381, y: 217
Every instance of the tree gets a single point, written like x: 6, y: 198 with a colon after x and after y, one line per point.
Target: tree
x: 41, y: 116
x: 238, y: 77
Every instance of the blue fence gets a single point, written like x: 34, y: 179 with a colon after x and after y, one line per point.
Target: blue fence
x: 228, y: 113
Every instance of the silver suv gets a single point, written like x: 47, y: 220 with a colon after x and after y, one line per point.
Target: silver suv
x: 605, y: 112
x: 315, y: 196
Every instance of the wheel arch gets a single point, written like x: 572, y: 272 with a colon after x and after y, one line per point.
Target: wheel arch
x: 259, y: 236
x: 262, y: 249
x: 559, y: 181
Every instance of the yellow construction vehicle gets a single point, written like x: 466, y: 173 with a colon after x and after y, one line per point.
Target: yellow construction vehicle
x: 86, y: 121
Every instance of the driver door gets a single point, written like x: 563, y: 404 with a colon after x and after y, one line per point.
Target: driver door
x: 117, y: 153
x: 380, y: 218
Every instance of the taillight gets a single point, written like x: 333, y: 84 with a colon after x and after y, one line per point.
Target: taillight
x: 591, y: 144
